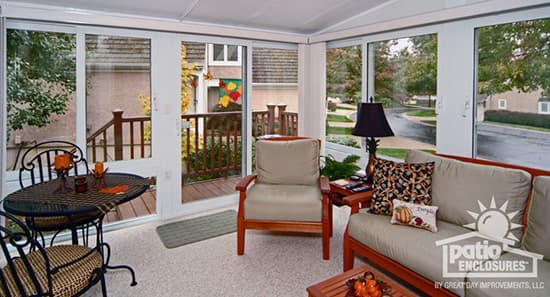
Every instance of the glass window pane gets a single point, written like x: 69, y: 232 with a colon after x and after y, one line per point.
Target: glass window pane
x: 512, y: 83
x: 41, y: 74
x: 405, y: 81
x: 232, y: 53
x: 211, y: 121
x: 274, y: 91
x: 218, y: 54
x: 344, y: 70
x: 118, y: 107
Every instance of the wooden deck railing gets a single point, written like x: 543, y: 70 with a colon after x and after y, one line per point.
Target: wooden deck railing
x: 211, y: 142
x: 119, y: 137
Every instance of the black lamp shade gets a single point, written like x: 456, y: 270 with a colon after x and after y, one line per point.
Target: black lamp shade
x: 371, y: 121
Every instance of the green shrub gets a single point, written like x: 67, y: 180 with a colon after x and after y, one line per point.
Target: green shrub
x: 345, y: 140
x: 389, y: 103
x: 518, y: 118
x: 331, y: 106
x: 339, y: 130
x: 334, y: 169
x: 422, y: 113
x: 338, y: 118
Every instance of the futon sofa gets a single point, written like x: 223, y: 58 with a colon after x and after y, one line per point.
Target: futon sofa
x: 464, y: 189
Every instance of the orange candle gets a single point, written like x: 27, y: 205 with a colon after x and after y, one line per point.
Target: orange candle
x: 62, y: 161
x: 99, y: 167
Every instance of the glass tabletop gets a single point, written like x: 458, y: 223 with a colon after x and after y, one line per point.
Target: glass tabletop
x: 42, y: 199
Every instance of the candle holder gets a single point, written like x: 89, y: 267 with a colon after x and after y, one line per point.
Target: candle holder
x: 99, y: 178
x: 62, y: 174
x: 80, y: 184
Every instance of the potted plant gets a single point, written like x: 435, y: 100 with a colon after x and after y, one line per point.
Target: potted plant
x: 334, y: 169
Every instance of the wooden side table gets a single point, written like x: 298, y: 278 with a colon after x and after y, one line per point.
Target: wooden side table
x: 343, y: 196
x: 336, y: 286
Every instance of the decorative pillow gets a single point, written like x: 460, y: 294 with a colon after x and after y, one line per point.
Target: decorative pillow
x: 410, y: 182
x: 416, y: 215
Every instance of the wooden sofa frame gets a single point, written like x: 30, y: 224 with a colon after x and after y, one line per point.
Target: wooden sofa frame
x: 324, y: 227
x: 353, y: 247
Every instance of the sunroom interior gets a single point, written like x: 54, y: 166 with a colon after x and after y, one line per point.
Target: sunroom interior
x: 164, y: 74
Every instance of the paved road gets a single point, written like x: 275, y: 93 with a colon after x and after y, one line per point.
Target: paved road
x: 504, y: 144
x: 516, y: 146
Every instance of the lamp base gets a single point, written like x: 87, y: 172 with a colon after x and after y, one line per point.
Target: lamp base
x: 369, y: 170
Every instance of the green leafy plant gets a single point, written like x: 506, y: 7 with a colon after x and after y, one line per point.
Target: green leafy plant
x: 334, y: 169
x: 41, y: 77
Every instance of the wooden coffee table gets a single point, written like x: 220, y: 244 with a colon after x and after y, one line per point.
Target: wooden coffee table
x: 336, y: 286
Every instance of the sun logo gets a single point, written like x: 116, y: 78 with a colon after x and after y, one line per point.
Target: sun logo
x: 494, y: 222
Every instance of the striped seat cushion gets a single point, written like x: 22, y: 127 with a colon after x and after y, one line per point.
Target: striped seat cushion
x: 67, y: 282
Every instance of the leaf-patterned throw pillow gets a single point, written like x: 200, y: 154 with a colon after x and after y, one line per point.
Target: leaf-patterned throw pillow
x: 410, y: 182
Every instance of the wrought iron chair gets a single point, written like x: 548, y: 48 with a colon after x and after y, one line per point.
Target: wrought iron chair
x: 37, y: 167
x: 32, y: 270
x: 288, y: 193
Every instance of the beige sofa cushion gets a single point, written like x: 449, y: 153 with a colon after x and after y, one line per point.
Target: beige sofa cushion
x: 283, y: 202
x: 293, y: 162
x: 537, y: 234
x: 457, y: 186
x: 543, y: 275
x: 411, y: 247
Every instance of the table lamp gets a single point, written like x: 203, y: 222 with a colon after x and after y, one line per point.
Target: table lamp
x: 371, y: 122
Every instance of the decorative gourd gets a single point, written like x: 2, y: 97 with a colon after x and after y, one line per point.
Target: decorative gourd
x: 404, y: 215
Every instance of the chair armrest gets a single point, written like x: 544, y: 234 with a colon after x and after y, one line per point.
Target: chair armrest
x: 325, y: 185
x: 244, y: 182
x: 357, y: 200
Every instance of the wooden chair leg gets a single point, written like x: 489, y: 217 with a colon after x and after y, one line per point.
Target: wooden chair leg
x: 326, y: 239
x: 240, y: 237
x: 330, y: 209
x: 326, y: 246
x: 348, y: 253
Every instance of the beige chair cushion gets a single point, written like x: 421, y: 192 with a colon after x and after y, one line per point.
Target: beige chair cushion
x: 457, y: 186
x: 543, y: 275
x: 283, y: 202
x: 411, y: 247
x: 537, y: 234
x: 294, y: 162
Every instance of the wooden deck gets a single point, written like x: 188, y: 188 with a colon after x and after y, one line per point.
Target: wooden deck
x: 209, y: 189
x: 146, y: 203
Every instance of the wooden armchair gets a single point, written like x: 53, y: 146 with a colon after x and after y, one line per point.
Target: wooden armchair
x: 29, y: 269
x: 288, y: 193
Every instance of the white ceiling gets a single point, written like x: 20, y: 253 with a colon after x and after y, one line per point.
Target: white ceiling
x: 289, y: 16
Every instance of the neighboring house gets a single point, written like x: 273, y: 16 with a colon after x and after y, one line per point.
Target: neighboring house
x: 531, y: 102
x: 274, y: 78
x: 118, y: 71
x: 274, y: 74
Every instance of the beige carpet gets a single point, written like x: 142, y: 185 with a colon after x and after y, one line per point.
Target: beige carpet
x: 273, y: 264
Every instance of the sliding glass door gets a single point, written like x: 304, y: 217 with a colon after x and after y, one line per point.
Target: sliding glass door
x: 211, y: 119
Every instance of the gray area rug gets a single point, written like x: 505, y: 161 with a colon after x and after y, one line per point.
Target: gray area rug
x: 192, y: 230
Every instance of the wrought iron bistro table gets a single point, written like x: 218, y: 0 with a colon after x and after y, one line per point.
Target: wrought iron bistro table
x: 39, y: 200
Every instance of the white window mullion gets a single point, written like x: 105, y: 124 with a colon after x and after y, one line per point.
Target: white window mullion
x: 81, y: 90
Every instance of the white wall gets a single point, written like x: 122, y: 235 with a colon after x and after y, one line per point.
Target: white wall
x: 312, y: 89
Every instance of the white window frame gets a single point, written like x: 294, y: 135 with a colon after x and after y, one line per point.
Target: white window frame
x: 225, y: 62
x: 547, y: 104
x: 502, y: 104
